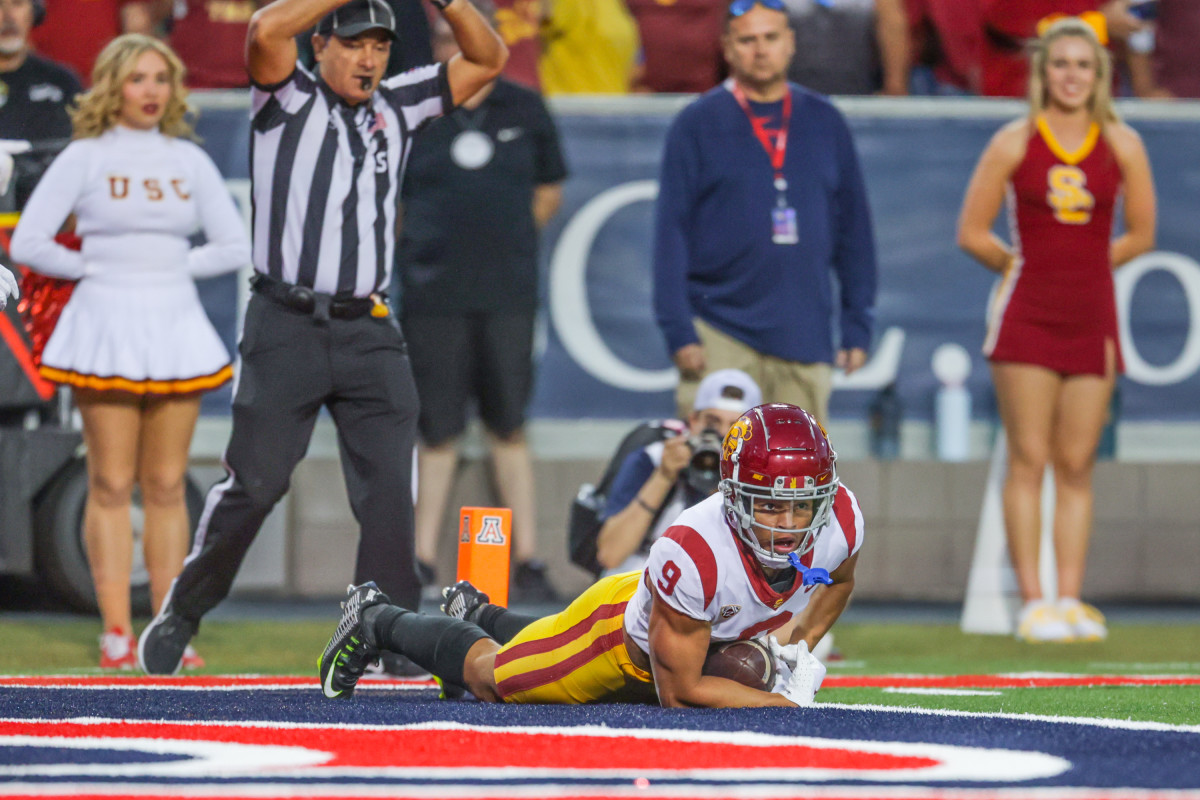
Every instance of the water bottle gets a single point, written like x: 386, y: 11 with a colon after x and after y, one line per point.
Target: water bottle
x: 952, y: 406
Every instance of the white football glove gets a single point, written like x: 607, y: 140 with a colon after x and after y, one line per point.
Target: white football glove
x: 8, y: 287
x: 800, y: 672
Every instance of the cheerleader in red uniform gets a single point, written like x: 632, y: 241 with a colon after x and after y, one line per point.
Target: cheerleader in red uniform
x: 1052, y: 327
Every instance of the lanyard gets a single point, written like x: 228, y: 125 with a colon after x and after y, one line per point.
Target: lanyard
x: 777, y: 148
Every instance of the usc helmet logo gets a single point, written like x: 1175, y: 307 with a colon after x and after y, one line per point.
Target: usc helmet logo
x: 741, y: 430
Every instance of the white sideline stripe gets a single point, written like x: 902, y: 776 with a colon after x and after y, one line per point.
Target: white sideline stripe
x: 472, y: 791
x: 1145, y: 665
x: 1100, y: 722
x: 927, y: 690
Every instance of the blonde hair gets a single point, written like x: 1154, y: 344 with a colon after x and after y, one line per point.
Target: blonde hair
x: 1100, y: 103
x: 98, y: 109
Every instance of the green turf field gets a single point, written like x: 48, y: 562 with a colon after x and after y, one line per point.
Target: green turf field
x: 291, y: 648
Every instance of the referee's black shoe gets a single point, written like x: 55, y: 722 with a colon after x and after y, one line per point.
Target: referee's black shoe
x: 531, y: 585
x: 348, y: 652
x: 161, y: 645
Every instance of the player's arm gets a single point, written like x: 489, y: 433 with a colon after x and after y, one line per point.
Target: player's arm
x: 623, y: 533
x: 271, y: 37
x: 985, y: 195
x: 678, y: 646
x: 547, y: 199
x: 827, y: 604
x: 1140, y: 205
x: 483, y: 53
x: 49, y: 211
x: 892, y: 35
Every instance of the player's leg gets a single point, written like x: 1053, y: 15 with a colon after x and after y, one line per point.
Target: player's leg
x: 457, y: 652
x: 1027, y: 396
x: 503, y: 381
x: 281, y: 384
x: 1082, y: 414
x: 275, y: 407
x: 464, y: 601
x: 111, y: 423
x: 441, y: 365
x: 374, y: 407
x: 801, y: 384
x: 167, y: 427
x: 437, y: 466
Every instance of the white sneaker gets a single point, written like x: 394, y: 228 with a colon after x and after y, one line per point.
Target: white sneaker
x: 1086, y: 621
x: 117, y: 650
x: 824, y: 648
x: 1041, y: 621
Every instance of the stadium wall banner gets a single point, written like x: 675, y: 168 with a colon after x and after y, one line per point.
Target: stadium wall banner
x: 600, y: 354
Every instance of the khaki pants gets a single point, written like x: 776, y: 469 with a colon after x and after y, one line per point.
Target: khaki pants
x: 781, y: 381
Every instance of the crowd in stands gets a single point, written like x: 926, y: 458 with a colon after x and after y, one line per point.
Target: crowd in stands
x: 844, y: 47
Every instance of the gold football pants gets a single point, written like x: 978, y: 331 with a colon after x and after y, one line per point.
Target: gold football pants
x: 578, y: 655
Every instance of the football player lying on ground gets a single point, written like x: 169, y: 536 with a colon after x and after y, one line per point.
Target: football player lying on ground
x: 774, y: 551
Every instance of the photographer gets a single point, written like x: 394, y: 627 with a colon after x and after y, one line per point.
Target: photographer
x: 658, y: 481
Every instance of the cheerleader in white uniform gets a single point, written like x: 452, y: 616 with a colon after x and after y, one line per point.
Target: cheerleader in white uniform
x: 134, y: 341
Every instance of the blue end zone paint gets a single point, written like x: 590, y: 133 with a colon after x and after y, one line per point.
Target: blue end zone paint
x: 26, y: 756
x: 1101, y: 757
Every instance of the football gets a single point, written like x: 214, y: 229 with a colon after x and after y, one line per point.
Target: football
x: 747, y: 662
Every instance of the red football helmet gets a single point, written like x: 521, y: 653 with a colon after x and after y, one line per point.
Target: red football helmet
x: 778, y: 451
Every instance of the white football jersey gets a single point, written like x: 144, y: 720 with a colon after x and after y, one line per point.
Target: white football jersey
x: 701, y: 569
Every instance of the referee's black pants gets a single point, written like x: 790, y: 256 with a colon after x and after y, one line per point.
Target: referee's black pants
x: 292, y: 365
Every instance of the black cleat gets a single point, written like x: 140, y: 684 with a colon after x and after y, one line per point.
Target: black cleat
x: 462, y: 600
x: 161, y: 646
x: 348, y: 652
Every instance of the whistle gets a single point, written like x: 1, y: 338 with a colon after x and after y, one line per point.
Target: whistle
x: 366, y: 83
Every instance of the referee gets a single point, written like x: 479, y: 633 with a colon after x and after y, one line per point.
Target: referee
x: 327, y: 156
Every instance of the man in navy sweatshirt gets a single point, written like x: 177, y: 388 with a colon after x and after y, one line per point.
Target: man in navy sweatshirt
x: 761, y: 204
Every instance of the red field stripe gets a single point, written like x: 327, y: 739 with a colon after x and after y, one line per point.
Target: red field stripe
x: 1040, y: 681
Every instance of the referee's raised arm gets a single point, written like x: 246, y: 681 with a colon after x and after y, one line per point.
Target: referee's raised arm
x: 271, y: 38
x: 483, y: 53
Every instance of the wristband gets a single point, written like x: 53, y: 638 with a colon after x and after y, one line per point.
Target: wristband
x: 638, y: 499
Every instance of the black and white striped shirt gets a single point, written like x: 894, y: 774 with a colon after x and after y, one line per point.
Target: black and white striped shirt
x: 325, y: 176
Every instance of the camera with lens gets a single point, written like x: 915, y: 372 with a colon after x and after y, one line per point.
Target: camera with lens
x: 703, y: 472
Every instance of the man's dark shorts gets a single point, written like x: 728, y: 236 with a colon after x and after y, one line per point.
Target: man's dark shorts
x: 483, y: 355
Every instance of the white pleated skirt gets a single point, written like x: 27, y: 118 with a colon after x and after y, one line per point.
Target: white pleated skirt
x: 146, y: 334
